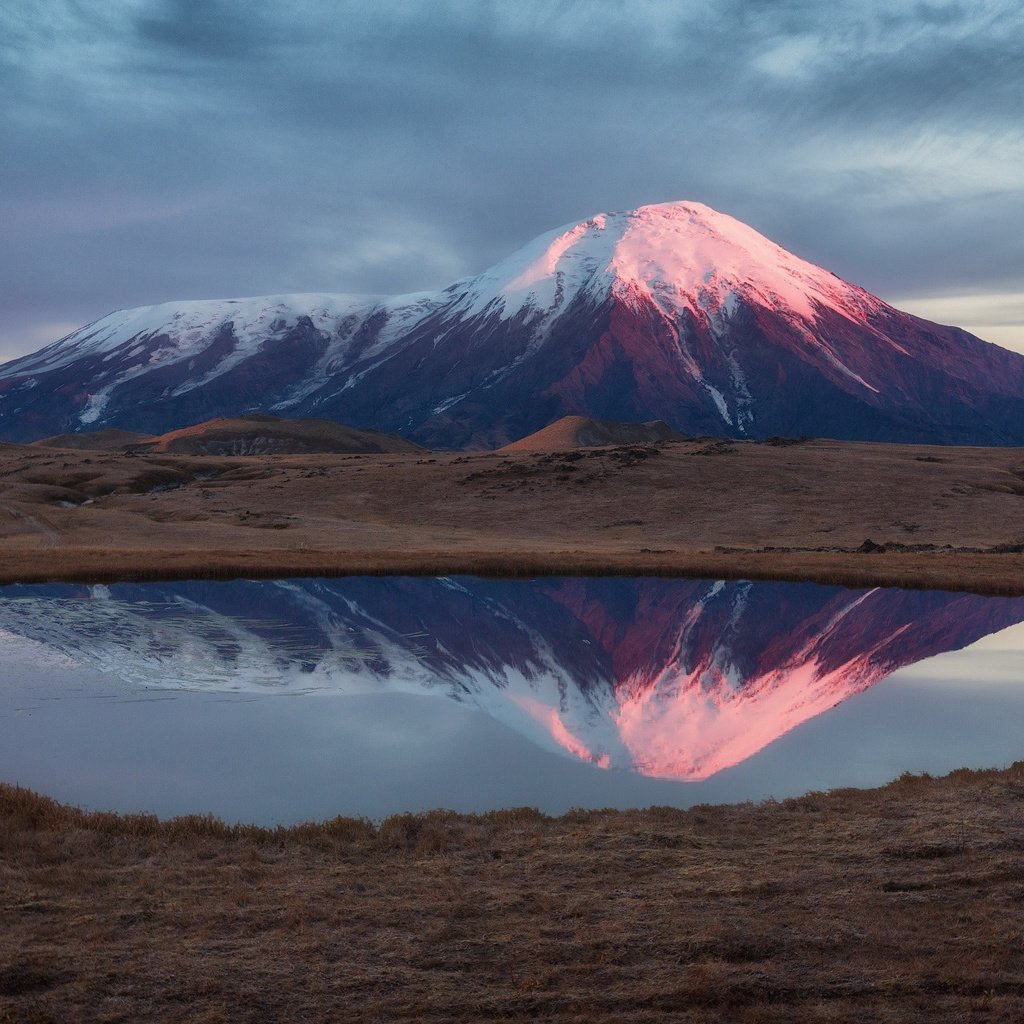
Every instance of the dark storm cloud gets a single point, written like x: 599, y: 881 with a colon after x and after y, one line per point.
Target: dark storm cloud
x: 168, y: 148
x: 206, y: 29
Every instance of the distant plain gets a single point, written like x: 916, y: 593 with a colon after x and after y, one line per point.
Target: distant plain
x: 838, y: 512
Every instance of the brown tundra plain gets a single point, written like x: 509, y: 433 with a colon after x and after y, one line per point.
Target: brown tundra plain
x: 902, y: 904
x: 839, y: 512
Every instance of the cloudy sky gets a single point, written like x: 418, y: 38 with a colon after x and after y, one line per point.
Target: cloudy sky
x: 177, y: 149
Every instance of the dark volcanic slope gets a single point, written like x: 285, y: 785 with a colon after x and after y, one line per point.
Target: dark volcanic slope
x: 671, y: 312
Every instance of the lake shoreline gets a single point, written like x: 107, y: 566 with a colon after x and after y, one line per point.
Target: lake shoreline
x: 993, y: 575
x: 901, y: 900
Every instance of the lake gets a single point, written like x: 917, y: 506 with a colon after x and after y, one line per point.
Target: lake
x: 284, y: 700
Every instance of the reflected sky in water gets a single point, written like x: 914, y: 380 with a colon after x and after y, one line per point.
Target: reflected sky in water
x: 283, y: 700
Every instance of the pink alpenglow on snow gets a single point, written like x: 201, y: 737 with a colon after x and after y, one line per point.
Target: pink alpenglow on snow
x: 670, y: 312
x: 679, y: 255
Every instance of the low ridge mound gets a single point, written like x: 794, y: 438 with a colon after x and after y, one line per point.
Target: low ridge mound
x: 111, y: 440
x: 260, y: 434
x: 585, y: 432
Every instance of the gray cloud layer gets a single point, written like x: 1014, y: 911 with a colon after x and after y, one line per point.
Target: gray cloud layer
x: 159, y: 149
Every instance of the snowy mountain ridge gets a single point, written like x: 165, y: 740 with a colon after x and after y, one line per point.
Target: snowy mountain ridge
x: 670, y: 311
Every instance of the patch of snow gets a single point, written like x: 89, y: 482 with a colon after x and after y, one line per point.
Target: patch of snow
x: 188, y: 327
x: 741, y: 393
x: 718, y: 398
x: 94, y: 407
x: 448, y: 403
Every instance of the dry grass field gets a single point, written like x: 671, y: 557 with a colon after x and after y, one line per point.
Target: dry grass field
x: 860, y: 514
x: 902, y: 904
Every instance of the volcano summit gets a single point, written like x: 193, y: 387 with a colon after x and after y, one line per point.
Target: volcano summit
x: 669, y: 312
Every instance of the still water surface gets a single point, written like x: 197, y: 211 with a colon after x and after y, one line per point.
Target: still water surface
x: 277, y: 701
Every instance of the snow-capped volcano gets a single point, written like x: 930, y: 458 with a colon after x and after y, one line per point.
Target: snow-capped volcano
x: 672, y: 312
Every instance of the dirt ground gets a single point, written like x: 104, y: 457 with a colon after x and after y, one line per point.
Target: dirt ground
x: 902, y: 904
x: 861, y: 514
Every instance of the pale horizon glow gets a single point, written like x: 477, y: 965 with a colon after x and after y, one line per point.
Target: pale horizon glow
x: 996, y: 317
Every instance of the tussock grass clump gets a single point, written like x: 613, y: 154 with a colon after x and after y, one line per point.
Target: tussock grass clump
x: 24, y: 809
x: 430, y: 832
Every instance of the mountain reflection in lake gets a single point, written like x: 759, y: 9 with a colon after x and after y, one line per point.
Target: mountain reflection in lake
x: 666, y: 678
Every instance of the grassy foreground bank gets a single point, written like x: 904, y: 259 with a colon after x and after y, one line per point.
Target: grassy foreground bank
x: 904, y: 903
